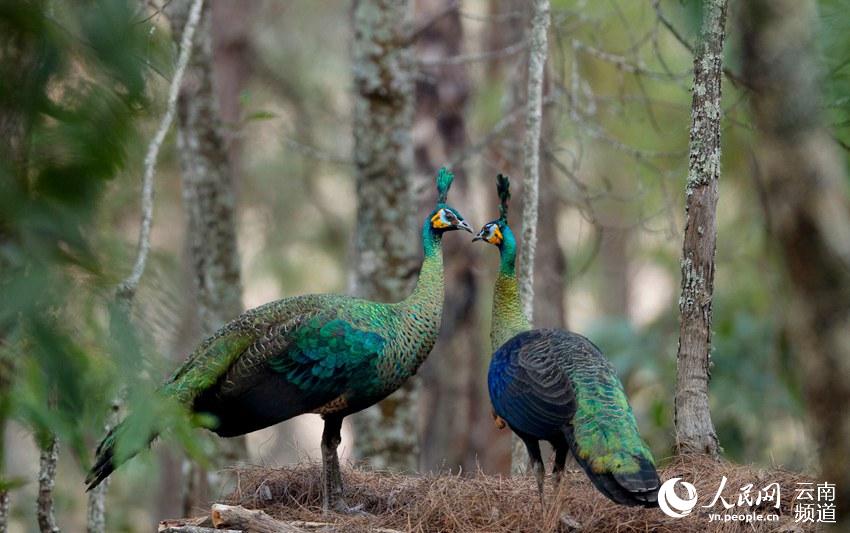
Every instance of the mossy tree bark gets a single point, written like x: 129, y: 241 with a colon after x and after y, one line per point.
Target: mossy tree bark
x: 694, y: 429
x: 45, y: 508
x: 538, y: 48
x: 386, y: 248
x: 209, y: 204
x: 803, y: 185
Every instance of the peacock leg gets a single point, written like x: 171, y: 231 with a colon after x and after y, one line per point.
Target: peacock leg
x: 331, y: 476
x: 533, y: 447
x: 560, y: 460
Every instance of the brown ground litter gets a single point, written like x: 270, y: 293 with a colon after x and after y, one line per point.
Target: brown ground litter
x: 449, y: 503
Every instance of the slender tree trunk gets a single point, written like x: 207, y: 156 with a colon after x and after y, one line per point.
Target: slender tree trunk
x: 452, y: 376
x: 531, y: 151
x: 538, y: 48
x: 694, y: 429
x: 804, y: 190
x: 386, y: 243
x: 208, y: 192
x: 209, y: 203
x: 49, y: 457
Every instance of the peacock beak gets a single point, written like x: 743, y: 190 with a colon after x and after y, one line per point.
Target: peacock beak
x: 463, y: 224
x: 478, y: 237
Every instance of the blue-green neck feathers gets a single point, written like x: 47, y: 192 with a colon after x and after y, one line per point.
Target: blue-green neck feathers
x: 430, y: 285
x: 431, y: 238
x: 507, y: 251
x: 508, y: 317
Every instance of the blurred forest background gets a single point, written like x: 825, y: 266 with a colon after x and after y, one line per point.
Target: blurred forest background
x: 617, y: 113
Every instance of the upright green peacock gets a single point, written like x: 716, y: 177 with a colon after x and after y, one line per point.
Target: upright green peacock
x: 328, y: 354
x: 555, y: 385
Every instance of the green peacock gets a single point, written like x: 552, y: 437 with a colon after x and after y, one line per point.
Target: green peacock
x: 555, y: 385
x: 332, y: 355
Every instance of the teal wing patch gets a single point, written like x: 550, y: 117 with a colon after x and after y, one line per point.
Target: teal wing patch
x: 327, y: 354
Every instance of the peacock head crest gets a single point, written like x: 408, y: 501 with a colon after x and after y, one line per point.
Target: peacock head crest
x: 494, y: 232
x: 444, y: 217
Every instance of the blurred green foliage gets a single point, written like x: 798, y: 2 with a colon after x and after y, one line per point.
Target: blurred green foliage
x: 73, y: 87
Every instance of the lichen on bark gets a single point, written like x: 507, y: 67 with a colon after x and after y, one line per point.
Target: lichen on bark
x: 538, y: 37
x: 694, y: 429
x: 209, y: 203
x: 386, y: 250
x: 48, y: 461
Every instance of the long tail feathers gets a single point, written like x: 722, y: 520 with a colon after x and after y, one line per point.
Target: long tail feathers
x: 103, y: 465
x: 105, y: 461
x: 633, y: 488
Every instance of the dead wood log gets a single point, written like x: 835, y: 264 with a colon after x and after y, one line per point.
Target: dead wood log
x: 200, y: 524
x: 249, y: 521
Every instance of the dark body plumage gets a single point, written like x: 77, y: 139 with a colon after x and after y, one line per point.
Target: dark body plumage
x: 332, y: 355
x: 553, y: 385
x: 556, y: 386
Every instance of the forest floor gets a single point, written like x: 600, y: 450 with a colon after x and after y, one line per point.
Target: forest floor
x: 479, y: 503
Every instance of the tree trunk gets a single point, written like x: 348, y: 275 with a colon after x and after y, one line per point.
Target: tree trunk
x: 694, y: 429
x: 538, y: 48
x: 209, y: 203
x: 45, y: 509
x: 386, y: 243
x: 804, y: 190
x: 531, y: 151
x: 451, y: 377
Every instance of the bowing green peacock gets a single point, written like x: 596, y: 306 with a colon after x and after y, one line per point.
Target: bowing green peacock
x: 555, y: 385
x: 332, y: 355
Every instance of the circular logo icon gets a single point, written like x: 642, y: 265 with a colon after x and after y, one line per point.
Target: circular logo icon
x: 671, y: 504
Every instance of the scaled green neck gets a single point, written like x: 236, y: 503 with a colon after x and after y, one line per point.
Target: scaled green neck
x: 508, y: 318
x: 430, y: 287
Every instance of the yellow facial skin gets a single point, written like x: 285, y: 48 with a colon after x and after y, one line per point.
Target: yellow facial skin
x: 495, y: 237
x: 438, y: 222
